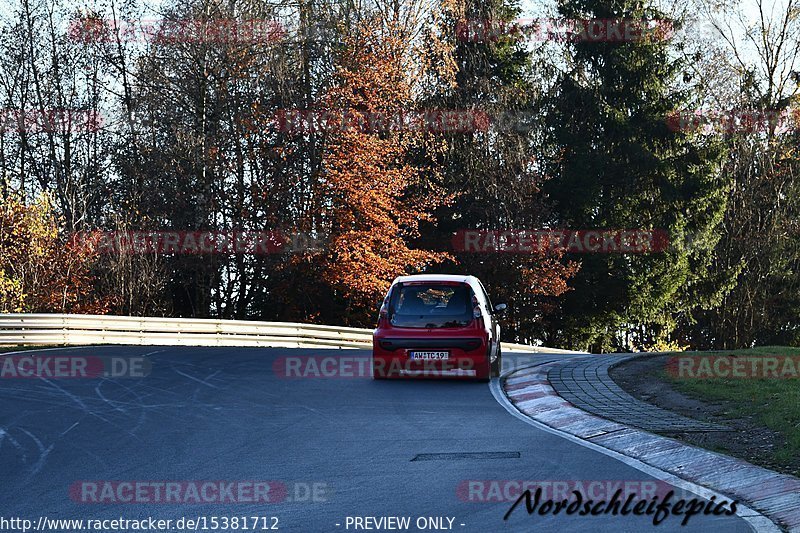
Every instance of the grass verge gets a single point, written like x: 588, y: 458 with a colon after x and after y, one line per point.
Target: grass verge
x: 771, y: 401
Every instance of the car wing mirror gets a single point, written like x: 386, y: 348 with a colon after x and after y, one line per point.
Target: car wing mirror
x: 500, y: 308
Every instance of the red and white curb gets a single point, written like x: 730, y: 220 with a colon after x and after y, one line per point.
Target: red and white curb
x: 770, y: 498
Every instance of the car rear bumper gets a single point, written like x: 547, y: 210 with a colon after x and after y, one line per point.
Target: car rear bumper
x: 468, y: 358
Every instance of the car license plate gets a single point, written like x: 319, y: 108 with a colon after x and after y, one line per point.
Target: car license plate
x: 429, y: 355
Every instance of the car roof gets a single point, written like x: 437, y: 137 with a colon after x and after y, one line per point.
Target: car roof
x: 436, y: 277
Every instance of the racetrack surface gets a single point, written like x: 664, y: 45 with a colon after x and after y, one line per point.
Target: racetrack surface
x: 226, y: 414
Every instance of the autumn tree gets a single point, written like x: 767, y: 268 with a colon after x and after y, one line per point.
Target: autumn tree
x: 371, y: 196
x: 43, y: 269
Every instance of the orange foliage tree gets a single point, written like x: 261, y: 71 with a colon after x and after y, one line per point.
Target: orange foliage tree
x: 371, y: 196
x: 39, y: 271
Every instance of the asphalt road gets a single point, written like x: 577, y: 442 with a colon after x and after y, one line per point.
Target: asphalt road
x: 338, y: 446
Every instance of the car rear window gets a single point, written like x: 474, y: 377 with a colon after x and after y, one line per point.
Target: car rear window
x: 431, y: 306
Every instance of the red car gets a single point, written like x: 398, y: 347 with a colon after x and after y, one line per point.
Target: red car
x: 437, y: 325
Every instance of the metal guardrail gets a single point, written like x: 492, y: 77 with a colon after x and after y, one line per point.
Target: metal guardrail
x: 55, y: 329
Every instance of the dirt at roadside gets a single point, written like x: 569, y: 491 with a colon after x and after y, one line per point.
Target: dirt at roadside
x: 748, y: 440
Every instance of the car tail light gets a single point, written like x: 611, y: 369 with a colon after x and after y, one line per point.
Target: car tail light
x: 383, y: 314
x: 476, y: 307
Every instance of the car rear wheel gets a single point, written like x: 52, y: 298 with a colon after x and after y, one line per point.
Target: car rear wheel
x: 497, y: 364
